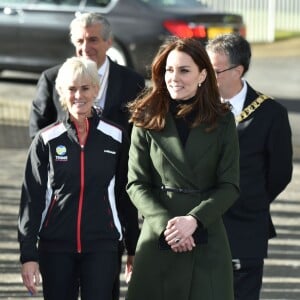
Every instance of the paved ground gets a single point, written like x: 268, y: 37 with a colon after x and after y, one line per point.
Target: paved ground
x: 282, y: 271
x: 272, y: 72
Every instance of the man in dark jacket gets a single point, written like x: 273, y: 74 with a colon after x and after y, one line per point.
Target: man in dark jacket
x: 265, y: 162
x: 91, y: 35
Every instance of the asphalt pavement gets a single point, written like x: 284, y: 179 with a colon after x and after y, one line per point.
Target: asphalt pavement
x: 274, y: 71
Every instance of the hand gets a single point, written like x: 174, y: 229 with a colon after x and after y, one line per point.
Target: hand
x: 129, y: 268
x: 31, y: 276
x: 183, y: 246
x: 179, y: 231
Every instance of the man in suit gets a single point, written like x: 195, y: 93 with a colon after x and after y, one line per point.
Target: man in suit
x: 265, y: 162
x: 92, y: 36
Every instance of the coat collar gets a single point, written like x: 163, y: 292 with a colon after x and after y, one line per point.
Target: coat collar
x: 184, y: 160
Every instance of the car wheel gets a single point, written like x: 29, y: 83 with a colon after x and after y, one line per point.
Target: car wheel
x: 117, y: 55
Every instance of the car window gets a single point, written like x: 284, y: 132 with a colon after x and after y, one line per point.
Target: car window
x: 9, y: 2
x: 175, y: 3
x: 58, y: 2
x: 101, y: 3
x: 53, y: 2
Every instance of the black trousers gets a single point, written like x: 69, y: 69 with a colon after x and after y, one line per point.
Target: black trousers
x: 116, y: 287
x: 65, y: 274
x: 248, y: 279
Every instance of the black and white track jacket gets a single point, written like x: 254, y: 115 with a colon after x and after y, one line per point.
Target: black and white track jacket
x: 73, y: 197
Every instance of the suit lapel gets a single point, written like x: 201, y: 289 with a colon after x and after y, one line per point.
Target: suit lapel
x: 113, y: 92
x: 250, y: 97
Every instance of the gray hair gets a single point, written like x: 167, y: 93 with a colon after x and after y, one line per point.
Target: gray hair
x: 234, y: 46
x: 88, y: 19
x: 77, y: 68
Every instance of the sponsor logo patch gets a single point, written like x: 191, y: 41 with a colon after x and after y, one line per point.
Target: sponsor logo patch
x: 61, y: 152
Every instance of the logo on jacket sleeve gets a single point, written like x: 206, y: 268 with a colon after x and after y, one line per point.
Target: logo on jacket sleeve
x: 61, y: 153
x: 109, y: 151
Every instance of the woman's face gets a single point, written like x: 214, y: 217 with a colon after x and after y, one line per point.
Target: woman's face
x: 79, y: 96
x: 182, y: 75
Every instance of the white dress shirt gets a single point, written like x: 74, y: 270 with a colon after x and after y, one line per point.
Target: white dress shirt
x: 103, y: 73
x: 237, y: 101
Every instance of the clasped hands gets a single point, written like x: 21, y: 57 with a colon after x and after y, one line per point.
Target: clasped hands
x: 178, y: 233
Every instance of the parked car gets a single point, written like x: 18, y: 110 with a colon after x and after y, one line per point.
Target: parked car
x: 34, y: 34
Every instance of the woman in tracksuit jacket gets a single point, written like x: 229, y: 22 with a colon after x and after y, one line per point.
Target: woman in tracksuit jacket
x: 69, y: 225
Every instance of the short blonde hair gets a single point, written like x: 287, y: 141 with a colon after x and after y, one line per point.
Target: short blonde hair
x: 77, y: 68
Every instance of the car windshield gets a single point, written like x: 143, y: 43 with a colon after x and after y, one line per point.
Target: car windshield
x: 173, y: 3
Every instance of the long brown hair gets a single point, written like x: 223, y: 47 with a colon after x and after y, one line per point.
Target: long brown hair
x: 150, y: 109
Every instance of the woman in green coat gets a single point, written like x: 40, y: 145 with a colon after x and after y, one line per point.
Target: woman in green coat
x: 183, y: 175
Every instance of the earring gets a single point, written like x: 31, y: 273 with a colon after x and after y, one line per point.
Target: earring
x: 199, y: 84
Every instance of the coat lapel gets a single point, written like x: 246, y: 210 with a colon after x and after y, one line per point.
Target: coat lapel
x: 182, y: 159
x: 170, y: 145
x: 198, y: 144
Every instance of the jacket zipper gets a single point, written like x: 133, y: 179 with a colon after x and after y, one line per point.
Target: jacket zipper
x: 81, y: 193
x: 79, y: 214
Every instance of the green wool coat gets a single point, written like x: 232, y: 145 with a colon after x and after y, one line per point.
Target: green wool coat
x: 210, y: 163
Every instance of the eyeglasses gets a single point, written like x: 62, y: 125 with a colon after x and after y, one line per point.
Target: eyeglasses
x: 230, y: 68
